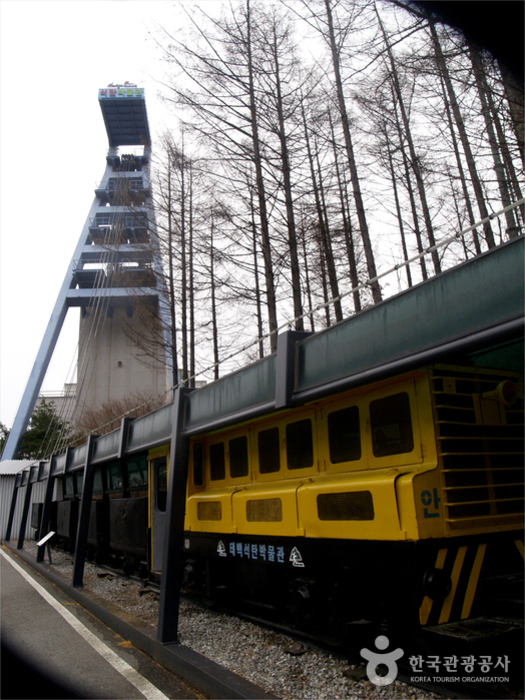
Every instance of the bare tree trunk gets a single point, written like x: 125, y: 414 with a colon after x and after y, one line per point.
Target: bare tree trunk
x: 191, y: 283
x: 347, y: 223
x: 329, y: 252
x: 307, y: 279
x: 458, y: 213
x: 414, y: 161
x: 324, y: 284
x: 514, y: 94
x: 398, y: 208
x: 256, y: 276
x: 265, y: 233
x: 413, y: 207
x: 507, y: 157
x: 287, y: 183
x: 442, y: 67
x: 214, y: 324
x: 462, y: 177
x: 360, y: 209
x: 184, y: 281
x: 483, y: 90
x: 323, y: 232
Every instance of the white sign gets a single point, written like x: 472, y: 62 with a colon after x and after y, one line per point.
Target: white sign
x: 45, y: 539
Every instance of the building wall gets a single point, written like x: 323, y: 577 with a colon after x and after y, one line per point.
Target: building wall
x: 64, y: 401
x: 115, y: 369
x: 7, y: 485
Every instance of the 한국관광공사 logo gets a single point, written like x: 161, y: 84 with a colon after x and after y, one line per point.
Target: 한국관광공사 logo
x: 375, y: 660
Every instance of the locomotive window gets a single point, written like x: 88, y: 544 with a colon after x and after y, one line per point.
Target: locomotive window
x: 238, y: 457
x: 217, y: 465
x: 137, y: 472
x: 114, y: 476
x: 344, y: 437
x: 391, y: 425
x: 161, y: 483
x: 269, y: 452
x: 198, y: 464
x: 299, y: 444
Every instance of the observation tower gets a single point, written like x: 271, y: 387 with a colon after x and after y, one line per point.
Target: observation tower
x: 114, y: 276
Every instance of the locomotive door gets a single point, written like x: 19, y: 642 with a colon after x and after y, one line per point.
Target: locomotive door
x: 158, y: 491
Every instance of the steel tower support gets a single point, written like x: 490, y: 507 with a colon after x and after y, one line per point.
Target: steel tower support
x: 117, y: 256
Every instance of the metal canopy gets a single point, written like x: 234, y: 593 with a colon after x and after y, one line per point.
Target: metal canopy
x: 481, y: 297
x: 469, y: 308
x: 125, y: 118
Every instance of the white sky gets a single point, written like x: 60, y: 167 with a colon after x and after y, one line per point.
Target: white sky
x: 55, y: 54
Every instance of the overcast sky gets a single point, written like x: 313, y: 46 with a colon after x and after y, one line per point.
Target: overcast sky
x: 55, y: 54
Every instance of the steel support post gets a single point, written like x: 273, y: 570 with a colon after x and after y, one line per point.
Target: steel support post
x: 172, y: 562
x: 83, y: 520
x: 25, y: 511
x: 46, y: 510
x: 123, y: 438
x: 285, y: 366
x: 11, y: 513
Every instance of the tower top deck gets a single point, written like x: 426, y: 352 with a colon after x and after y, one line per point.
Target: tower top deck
x: 124, y: 111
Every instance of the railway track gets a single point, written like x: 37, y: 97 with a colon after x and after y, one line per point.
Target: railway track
x: 357, y: 672
x: 470, y: 684
x: 301, y: 649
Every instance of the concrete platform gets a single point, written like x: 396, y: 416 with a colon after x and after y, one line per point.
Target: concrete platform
x: 53, y: 648
x: 57, y: 656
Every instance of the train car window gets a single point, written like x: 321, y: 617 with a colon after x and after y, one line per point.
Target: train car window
x: 161, y: 483
x: 98, y: 485
x: 344, y: 436
x: 198, y: 464
x: 391, y: 425
x: 238, y: 448
x: 137, y: 472
x: 217, y: 463
x: 70, y: 487
x: 269, y: 451
x: 114, y: 472
x: 299, y: 444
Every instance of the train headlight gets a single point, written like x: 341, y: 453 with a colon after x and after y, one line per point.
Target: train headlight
x: 505, y: 393
x: 437, y: 584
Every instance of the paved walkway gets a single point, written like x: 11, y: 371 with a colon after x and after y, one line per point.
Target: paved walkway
x: 53, y: 648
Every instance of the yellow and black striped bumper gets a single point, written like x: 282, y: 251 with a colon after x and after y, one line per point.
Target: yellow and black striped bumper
x: 463, y: 565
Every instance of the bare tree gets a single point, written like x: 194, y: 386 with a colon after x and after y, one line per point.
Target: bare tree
x: 476, y: 183
x: 359, y: 205
x: 414, y: 160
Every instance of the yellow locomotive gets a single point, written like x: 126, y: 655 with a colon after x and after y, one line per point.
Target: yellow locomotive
x: 400, y: 501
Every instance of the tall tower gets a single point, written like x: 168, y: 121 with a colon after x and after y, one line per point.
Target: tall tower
x: 113, y: 274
